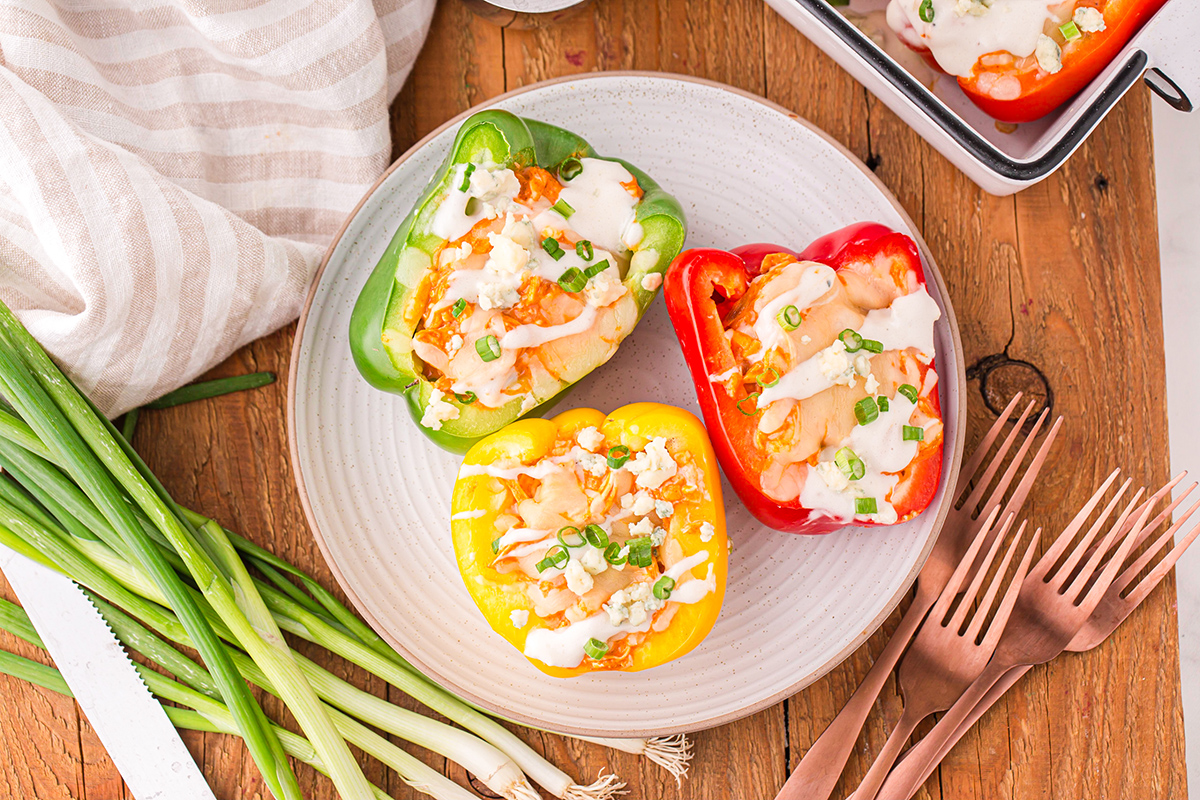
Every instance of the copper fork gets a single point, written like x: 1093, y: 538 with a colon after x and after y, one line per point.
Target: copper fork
x: 949, y: 653
x: 819, y: 770
x: 1054, y: 604
x: 1118, y: 602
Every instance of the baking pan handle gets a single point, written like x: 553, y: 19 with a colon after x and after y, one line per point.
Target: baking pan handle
x: 1170, y: 42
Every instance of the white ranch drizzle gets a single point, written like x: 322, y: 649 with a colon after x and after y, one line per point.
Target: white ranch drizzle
x: 539, y: 471
x: 881, y: 447
x: 961, y: 31
x: 815, y: 282
x: 907, y: 323
x: 534, y: 335
x: 604, y: 210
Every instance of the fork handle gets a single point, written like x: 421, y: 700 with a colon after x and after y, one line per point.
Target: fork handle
x: 898, y: 787
x: 869, y: 788
x: 923, y: 758
x: 819, y: 770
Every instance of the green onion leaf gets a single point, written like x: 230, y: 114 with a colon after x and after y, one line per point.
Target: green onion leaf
x: 789, y: 318
x: 556, y: 556
x: 584, y: 249
x: 612, y: 554
x: 850, y: 464
x: 852, y: 340
x: 460, y: 305
x: 1070, y: 30
x: 865, y: 505
x: 663, y: 586
x: 926, y: 11
x: 912, y: 433
x: 466, y: 180
x: 472, y: 206
x: 872, y: 346
x: 572, y: 280
x: 488, y: 348
x: 215, y: 388
x: 570, y: 536
x: 883, y: 404
x: 774, y: 380
x: 909, y: 391
x: 596, y: 269
x: 496, y: 545
x: 866, y: 410
x: 596, y: 536
x: 466, y: 399
x: 752, y: 397
x: 617, y: 456
x: 641, y: 551
x: 563, y: 208
x: 570, y: 168
x: 551, y: 246
x: 595, y: 649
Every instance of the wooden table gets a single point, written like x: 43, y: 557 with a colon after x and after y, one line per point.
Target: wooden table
x: 1061, y: 281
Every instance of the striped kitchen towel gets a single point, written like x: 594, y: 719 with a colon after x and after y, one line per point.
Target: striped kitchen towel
x: 172, y: 170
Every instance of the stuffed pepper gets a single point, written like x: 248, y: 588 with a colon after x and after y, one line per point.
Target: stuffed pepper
x: 1018, y: 60
x: 815, y: 372
x: 594, y: 543
x: 523, y: 266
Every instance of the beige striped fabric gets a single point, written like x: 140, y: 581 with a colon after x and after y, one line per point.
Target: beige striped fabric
x: 171, y: 170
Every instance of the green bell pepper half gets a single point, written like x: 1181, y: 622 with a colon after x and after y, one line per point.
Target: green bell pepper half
x: 380, y: 336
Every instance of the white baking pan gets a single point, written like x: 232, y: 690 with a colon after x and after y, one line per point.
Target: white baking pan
x: 1001, y: 159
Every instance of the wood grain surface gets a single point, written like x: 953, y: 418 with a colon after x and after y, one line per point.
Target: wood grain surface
x: 1056, y: 289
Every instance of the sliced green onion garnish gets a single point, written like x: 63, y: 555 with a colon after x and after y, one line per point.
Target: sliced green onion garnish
x: 596, y: 536
x: 472, y: 206
x: 466, y: 398
x: 789, y: 318
x: 926, y: 11
x: 551, y: 246
x: 596, y: 269
x: 909, y: 391
x: 641, y: 551
x: 460, y: 305
x: 595, y: 649
x: 496, y: 545
x: 564, y: 208
x: 466, y: 180
x: 753, y: 396
x: 584, y: 249
x: 850, y: 464
x: 570, y: 536
x: 488, y: 348
x: 663, y: 586
x: 617, y: 456
x: 774, y: 380
x: 572, y: 280
x: 852, y: 340
x: 883, y: 404
x: 865, y: 505
x: 872, y: 346
x: 570, y: 168
x: 612, y: 554
x: 912, y: 433
x: 866, y: 410
x: 1069, y: 30
x: 556, y: 556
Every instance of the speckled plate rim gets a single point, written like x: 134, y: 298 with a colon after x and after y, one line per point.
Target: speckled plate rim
x: 950, y: 464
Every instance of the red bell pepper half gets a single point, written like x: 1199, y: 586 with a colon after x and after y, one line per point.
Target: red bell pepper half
x: 710, y: 295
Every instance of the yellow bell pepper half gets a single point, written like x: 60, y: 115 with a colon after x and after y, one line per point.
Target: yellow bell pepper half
x: 487, y: 505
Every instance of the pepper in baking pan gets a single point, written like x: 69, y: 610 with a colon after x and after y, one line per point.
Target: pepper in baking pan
x: 524, y: 264
x: 815, y: 374
x: 1019, y: 60
x: 594, y: 543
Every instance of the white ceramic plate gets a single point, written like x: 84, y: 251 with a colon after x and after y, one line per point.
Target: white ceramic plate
x: 377, y: 493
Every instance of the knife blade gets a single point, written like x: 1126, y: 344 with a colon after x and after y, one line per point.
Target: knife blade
x: 131, y: 724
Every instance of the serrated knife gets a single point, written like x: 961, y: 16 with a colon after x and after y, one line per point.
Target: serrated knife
x: 131, y: 724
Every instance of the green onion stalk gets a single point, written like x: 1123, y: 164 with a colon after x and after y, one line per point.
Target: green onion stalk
x: 50, y: 515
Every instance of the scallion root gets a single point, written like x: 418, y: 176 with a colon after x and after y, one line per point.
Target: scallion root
x: 606, y: 787
x: 672, y: 753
